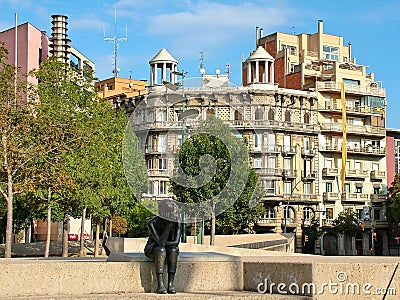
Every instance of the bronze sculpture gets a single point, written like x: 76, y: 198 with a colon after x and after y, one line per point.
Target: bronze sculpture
x: 162, y: 245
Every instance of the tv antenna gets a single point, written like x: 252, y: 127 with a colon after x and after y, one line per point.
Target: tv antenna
x: 202, y: 70
x: 116, y: 40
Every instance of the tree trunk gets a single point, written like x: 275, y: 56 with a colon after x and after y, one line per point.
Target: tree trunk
x: 65, y: 234
x: 110, y: 229
x: 97, y: 240
x: 212, y: 234
x: 48, y: 235
x: 103, y: 252
x: 9, y: 196
x: 82, y: 241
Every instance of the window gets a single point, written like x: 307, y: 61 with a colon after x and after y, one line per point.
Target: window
x: 357, y: 165
x: 162, y: 143
x: 344, y: 58
x: 287, y: 116
x: 271, y: 114
x: 271, y: 162
x: 150, y: 164
x: 209, y: 113
x: 329, y: 213
x: 292, y: 50
x: 328, y: 187
x: 351, y: 81
x: 307, y: 188
x: 329, y: 163
x: 150, y: 189
x: 269, y: 186
x: 375, y: 166
x: 292, y: 66
x: 287, y: 213
x: 257, y: 162
x: 376, y: 190
x: 162, y: 116
x: 307, y: 167
x: 259, y: 114
x: 162, y: 163
x: 271, y: 142
x: 287, y: 164
x: 306, y: 118
x: 149, y: 143
x: 150, y: 117
x: 360, y: 214
x: 377, y: 214
x: 328, y: 102
x: 270, y: 213
x: 287, y: 187
x: 347, y: 187
x: 180, y: 139
x: 358, y: 189
x: 238, y: 115
x: 162, y: 188
x: 286, y: 142
x: 257, y: 141
x: 307, y: 213
x: 330, y: 52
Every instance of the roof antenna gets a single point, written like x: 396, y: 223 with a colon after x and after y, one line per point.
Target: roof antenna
x: 115, y: 40
x: 202, y: 70
x: 294, y: 30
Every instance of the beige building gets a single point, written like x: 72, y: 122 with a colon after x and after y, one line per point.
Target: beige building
x: 280, y: 126
x: 320, y: 62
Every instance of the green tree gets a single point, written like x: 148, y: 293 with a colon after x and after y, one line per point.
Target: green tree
x: 393, y: 208
x: 346, y: 223
x: 213, y: 163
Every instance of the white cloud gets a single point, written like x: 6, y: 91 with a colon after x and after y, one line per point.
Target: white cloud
x: 85, y: 23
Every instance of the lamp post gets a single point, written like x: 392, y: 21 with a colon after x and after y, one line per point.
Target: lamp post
x: 288, y: 203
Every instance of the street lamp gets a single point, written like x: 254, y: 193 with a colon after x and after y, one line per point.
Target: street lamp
x: 288, y: 203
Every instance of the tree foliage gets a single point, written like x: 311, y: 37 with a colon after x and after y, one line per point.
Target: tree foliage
x: 346, y: 223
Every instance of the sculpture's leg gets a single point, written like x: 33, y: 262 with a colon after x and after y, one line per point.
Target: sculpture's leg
x: 159, y: 260
x: 172, y: 256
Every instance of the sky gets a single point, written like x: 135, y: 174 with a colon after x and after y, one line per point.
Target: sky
x: 223, y: 30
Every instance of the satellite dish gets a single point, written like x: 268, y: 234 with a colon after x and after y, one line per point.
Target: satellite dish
x: 217, y: 71
x: 170, y: 85
x: 175, y: 98
x: 203, y: 71
x: 189, y: 114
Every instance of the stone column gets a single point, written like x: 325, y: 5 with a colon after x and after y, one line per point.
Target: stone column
x: 266, y: 71
x: 155, y: 74
x: 257, y: 72
x: 249, y: 73
x: 164, y: 71
x: 271, y: 71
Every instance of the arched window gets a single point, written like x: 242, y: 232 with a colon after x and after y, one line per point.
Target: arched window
x: 308, y: 213
x: 270, y: 213
x: 271, y: 114
x: 259, y: 114
x: 306, y: 118
x: 238, y: 115
x: 288, y: 213
x: 210, y: 112
x: 287, y: 116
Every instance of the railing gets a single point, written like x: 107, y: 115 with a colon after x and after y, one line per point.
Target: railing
x: 378, y: 175
x: 378, y: 197
x: 330, y: 196
x: 355, y: 197
x: 312, y: 53
x: 289, y: 173
x: 281, y: 124
x: 327, y: 222
x: 289, y: 221
x: 336, y: 106
x: 268, y: 221
x: 352, y: 88
x: 361, y: 150
x: 330, y: 172
x: 356, y: 173
x: 311, y: 175
x: 158, y: 172
x: 373, y: 130
x: 308, y: 151
x: 288, y: 150
x: 269, y: 171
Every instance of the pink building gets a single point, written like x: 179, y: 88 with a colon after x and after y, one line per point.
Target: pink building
x: 392, y: 154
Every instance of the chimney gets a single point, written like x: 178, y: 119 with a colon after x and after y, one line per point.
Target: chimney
x: 320, y: 26
x: 257, y: 36
x: 261, y: 32
x: 349, y: 43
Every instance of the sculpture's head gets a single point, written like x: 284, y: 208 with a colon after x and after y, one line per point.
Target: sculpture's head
x: 168, y: 210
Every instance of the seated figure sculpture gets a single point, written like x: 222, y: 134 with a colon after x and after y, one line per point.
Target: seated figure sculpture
x: 162, y: 244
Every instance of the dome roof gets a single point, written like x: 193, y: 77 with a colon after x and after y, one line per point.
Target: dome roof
x: 260, y: 54
x: 163, y: 55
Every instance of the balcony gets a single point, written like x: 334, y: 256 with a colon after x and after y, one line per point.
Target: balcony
x: 289, y: 222
x: 327, y: 222
x: 279, y: 125
x: 336, y: 107
x: 375, y: 198
x: 330, y: 172
x: 354, y: 129
x: 355, y: 197
x: 308, y: 152
x: 377, y: 175
x: 269, y: 172
x: 267, y: 222
x: 158, y: 172
x: 288, y: 150
x: 351, y: 89
x: 271, y: 149
x: 289, y: 174
x: 353, y: 173
x: 367, y: 150
x: 306, y: 222
x: 308, y: 176
x: 301, y: 198
x: 329, y: 196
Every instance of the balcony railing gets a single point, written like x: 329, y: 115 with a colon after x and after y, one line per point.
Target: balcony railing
x: 351, y: 88
x: 378, y: 197
x: 301, y: 197
x: 289, y: 222
x: 330, y: 172
x: 368, y: 150
x: 308, y: 152
x: 355, y: 129
x: 355, y: 197
x: 327, y: 222
x: 269, y: 172
x: 308, y: 176
x: 288, y: 150
x: 377, y: 175
x: 289, y: 174
x: 272, y: 222
x: 368, y: 110
x: 280, y: 124
x: 330, y: 196
x: 158, y: 172
x: 353, y: 173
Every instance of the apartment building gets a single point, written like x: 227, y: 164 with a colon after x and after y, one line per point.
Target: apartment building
x: 355, y: 180
x: 279, y: 125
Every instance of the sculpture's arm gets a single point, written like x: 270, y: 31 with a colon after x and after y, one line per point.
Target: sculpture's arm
x: 154, y: 234
x: 177, y: 238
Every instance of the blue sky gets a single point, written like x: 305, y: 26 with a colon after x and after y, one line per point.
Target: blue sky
x: 223, y: 30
